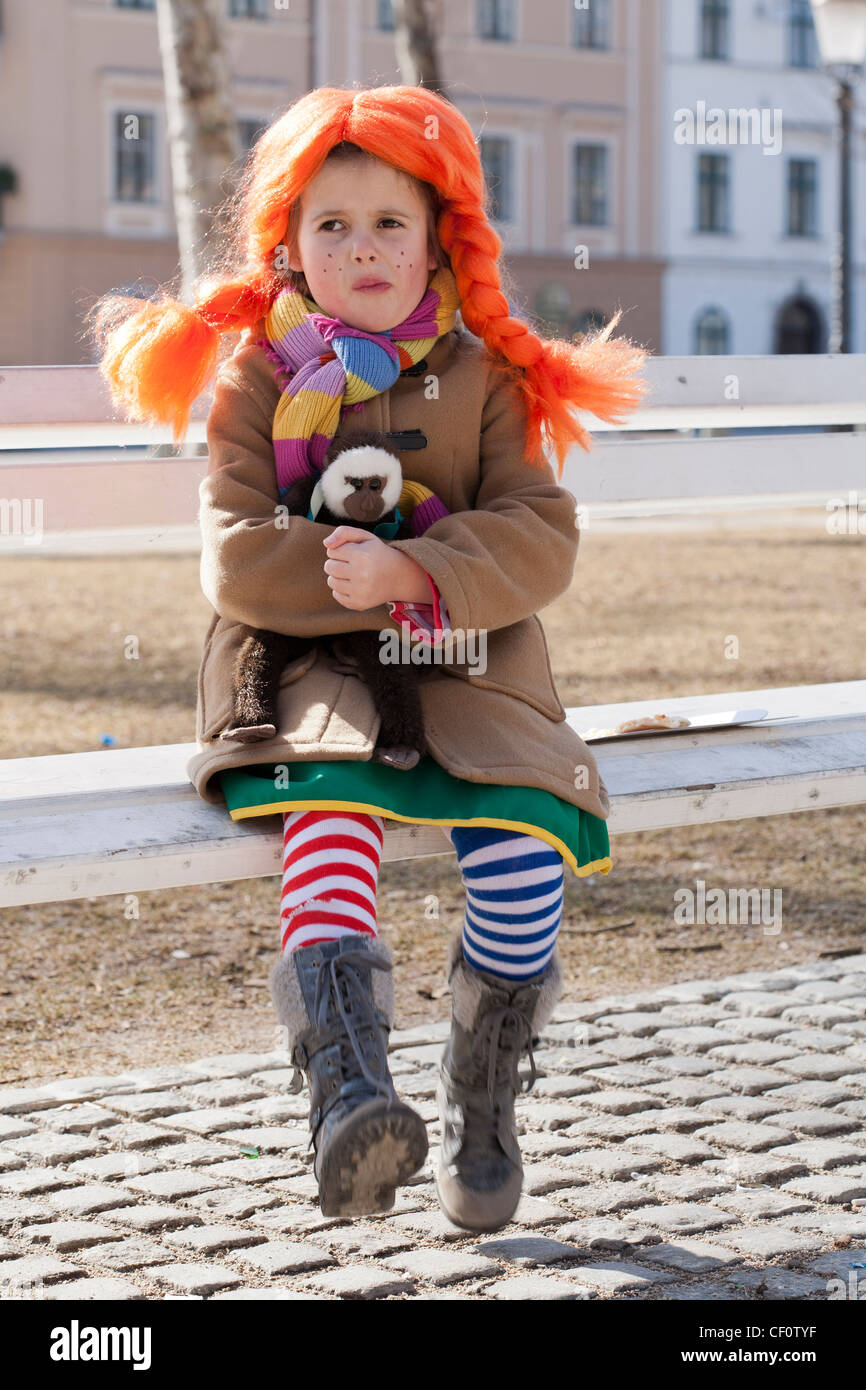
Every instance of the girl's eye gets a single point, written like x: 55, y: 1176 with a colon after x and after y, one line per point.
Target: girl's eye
x: 332, y: 220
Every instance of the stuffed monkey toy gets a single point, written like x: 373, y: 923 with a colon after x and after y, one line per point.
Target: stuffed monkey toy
x: 361, y: 482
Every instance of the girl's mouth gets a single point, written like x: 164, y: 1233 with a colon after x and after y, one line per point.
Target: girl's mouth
x: 378, y: 288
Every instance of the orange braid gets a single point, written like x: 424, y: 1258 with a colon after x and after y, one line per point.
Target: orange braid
x: 158, y: 356
x: 553, y: 376
x: 159, y: 359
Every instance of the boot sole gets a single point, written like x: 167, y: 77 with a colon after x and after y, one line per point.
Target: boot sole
x: 368, y: 1156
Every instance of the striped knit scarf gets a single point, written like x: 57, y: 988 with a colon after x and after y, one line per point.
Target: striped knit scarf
x: 332, y: 366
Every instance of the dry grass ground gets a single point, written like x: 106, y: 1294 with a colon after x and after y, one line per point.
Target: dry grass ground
x: 85, y: 990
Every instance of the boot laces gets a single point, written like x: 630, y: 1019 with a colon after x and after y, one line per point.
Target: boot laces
x: 340, y: 982
x: 514, y: 1021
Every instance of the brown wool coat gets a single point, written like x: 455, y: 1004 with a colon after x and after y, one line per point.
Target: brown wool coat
x: 508, y: 550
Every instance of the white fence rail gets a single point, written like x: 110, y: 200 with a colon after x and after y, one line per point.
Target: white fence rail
x: 628, y: 472
x: 685, y: 393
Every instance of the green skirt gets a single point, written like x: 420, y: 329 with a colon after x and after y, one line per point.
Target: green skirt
x: 424, y: 795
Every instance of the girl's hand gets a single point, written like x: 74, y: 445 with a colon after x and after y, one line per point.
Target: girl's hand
x: 363, y: 571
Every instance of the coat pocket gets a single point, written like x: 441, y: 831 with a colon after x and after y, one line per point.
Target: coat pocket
x: 216, y: 671
x: 515, y: 661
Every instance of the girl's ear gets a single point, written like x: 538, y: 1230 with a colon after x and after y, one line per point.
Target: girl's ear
x: 293, y: 259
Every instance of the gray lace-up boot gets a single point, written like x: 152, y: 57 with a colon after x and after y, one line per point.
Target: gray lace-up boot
x: 336, y: 1002
x: 493, y: 1021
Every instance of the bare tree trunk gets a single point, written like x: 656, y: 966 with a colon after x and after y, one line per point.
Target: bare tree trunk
x: 415, y: 43
x: 202, y: 130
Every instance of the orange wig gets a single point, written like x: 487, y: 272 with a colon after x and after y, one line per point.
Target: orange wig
x: 157, y: 356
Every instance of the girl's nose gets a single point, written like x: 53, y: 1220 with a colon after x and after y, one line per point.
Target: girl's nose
x: 363, y: 247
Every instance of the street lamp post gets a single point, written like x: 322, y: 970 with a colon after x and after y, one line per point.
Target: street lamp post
x: 841, y: 29
x: 840, y: 331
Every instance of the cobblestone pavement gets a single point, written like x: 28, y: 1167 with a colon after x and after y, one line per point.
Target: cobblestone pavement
x: 701, y: 1141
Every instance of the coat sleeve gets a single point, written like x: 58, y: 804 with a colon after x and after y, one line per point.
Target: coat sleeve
x: 515, y: 552
x: 258, y: 565
x: 427, y: 622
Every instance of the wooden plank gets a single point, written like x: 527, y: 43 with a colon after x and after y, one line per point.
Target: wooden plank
x: 759, y: 390
x: 645, y: 765
x: 804, y: 467
x: 92, y: 851
x: 159, y: 772
x: 648, y: 516
x: 78, y: 393
x: 665, y: 811
x: 127, y: 821
x: 123, y: 456
x: 150, y: 492
x: 73, y: 395
x: 801, y: 701
x: 40, y: 403
x: 65, y: 778
x: 618, y: 471
x: 706, y: 762
x: 155, y: 539
x: 156, y: 768
x: 101, y: 434
x: 133, y: 848
x: 713, y: 512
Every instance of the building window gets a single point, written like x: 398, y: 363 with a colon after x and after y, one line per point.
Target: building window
x: 385, y: 14
x: 715, y: 29
x: 134, y: 157
x: 249, y: 132
x: 713, y: 193
x: 802, y: 38
x: 553, y: 309
x: 711, y: 333
x: 135, y: 4
x: 495, y: 19
x: 591, y: 25
x: 248, y: 9
x: 590, y: 185
x: 498, y: 164
x: 802, y: 197
x: 798, y: 327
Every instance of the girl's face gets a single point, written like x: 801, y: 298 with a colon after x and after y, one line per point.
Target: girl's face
x: 364, y: 221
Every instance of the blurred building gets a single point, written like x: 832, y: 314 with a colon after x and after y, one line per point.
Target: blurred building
x: 563, y: 98
x: 749, y: 235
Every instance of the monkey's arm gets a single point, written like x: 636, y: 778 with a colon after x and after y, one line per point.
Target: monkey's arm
x: 297, y: 499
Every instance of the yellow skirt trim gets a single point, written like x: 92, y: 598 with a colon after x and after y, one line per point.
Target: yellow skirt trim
x: 602, y: 866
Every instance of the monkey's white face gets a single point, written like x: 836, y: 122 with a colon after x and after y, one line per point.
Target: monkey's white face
x: 356, y: 469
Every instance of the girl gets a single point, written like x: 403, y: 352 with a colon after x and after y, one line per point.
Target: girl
x: 361, y: 237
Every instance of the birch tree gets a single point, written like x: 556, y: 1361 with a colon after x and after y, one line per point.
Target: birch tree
x: 202, y: 130
x: 415, y: 43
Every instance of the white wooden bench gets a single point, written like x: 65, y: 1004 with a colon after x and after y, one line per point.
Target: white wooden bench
x: 83, y: 825
x: 128, y: 820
